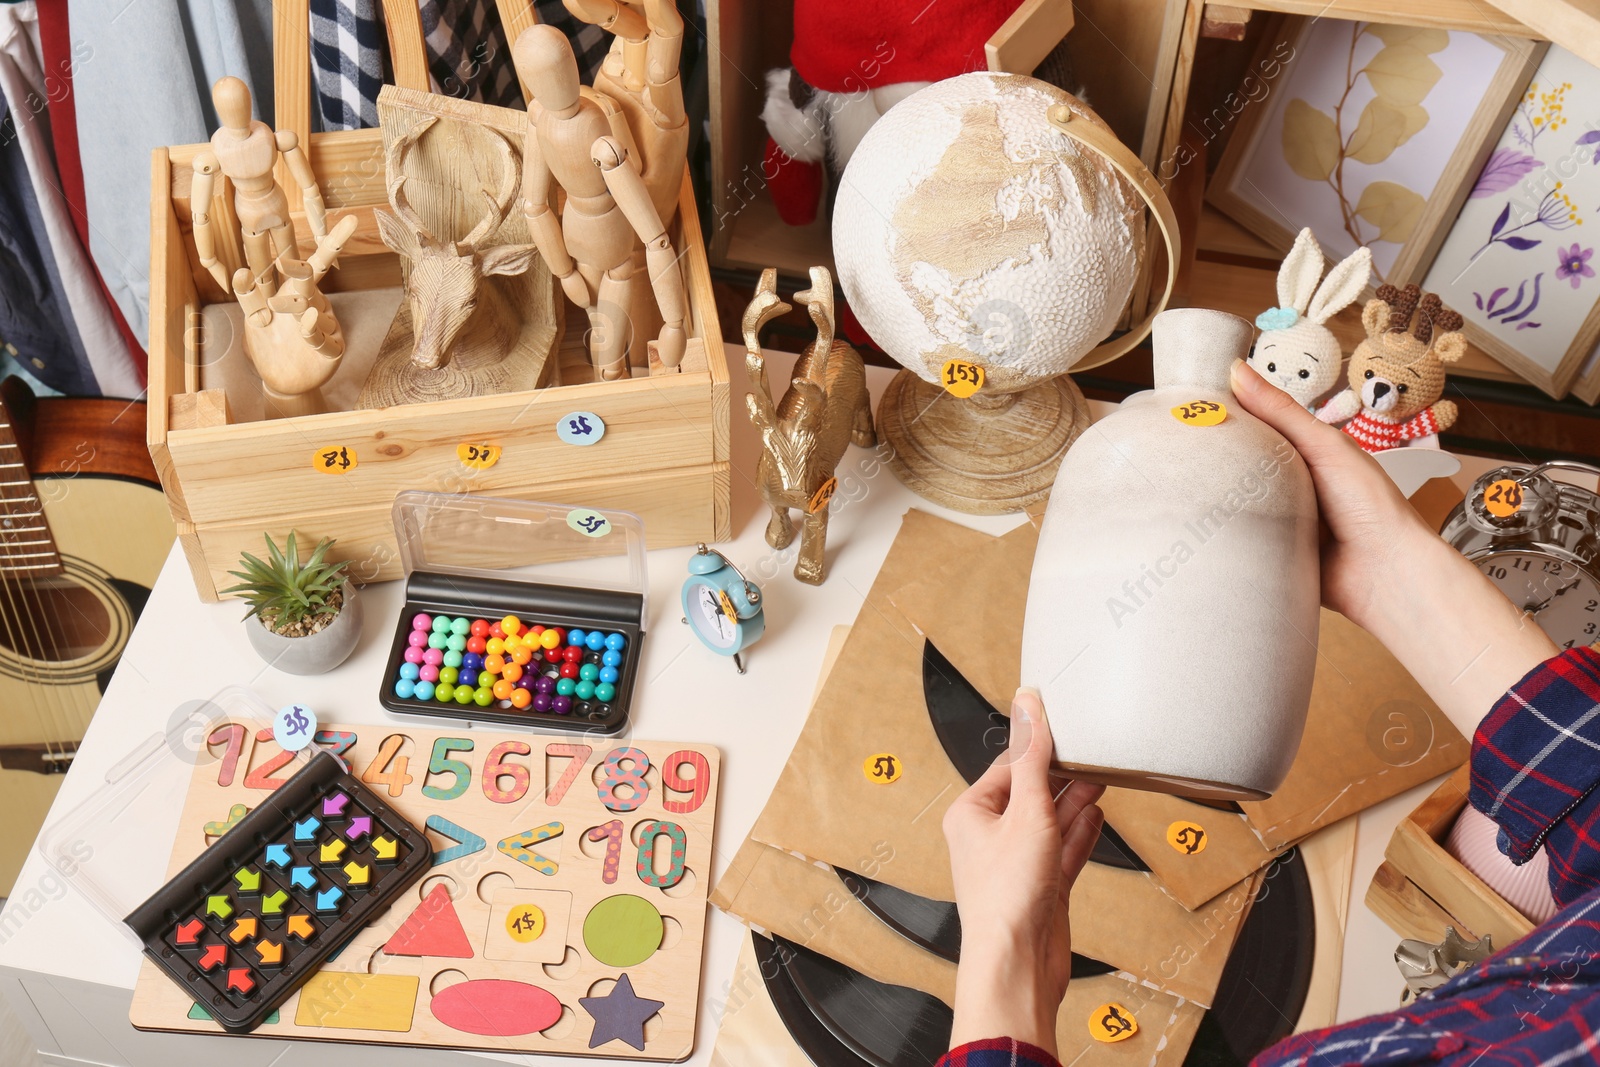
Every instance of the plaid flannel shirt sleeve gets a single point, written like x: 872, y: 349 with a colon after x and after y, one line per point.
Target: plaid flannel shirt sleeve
x: 998, y: 1052
x: 1535, y: 765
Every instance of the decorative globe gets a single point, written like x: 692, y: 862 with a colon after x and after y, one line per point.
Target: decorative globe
x: 967, y: 227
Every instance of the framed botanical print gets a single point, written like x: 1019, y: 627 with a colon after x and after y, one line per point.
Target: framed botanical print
x: 1371, y: 136
x: 1520, y: 261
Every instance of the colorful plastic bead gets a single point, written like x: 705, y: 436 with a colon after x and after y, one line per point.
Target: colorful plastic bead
x: 494, y: 664
x: 584, y: 691
x: 525, y: 682
x: 511, y: 672
x: 441, y: 624
x: 521, y: 655
x: 541, y: 702
x: 616, y: 642
x: 561, y: 705
x: 573, y: 654
x: 521, y: 698
x: 453, y: 659
x: 544, y: 685
x: 473, y: 660
x: 414, y: 655
x: 553, y: 655
x: 464, y: 694
x: 433, y: 657
x: 477, y: 644
x: 511, y: 626
x: 410, y: 672
x: 404, y: 688
x: 569, y: 670
x: 495, y: 630
x: 443, y: 691
x: 612, y: 658
x: 576, y: 637
x: 479, y: 628
x: 551, y: 638
x: 604, y: 692
x: 457, y: 643
x: 448, y: 675
x: 495, y: 646
x: 595, y: 641
x: 418, y: 639
x: 502, y: 689
x: 609, y: 675
x: 422, y: 621
x: 482, y: 697
x: 428, y: 673
x: 468, y: 676
x: 460, y: 626
x: 565, y: 687
x: 438, y: 640
x: 588, y: 672
x: 424, y: 690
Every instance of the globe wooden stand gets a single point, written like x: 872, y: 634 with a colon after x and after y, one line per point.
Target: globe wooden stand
x: 986, y: 455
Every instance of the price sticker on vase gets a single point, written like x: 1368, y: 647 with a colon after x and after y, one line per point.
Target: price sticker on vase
x: 477, y: 454
x: 961, y: 378
x: 334, y: 459
x: 1503, y: 498
x: 1200, y: 413
x: 588, y: 522
x: 581, y: 428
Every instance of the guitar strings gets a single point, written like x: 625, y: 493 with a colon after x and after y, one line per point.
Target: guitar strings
x: 11, y: 581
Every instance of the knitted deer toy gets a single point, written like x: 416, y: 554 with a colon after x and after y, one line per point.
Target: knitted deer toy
x: 1397, y: 374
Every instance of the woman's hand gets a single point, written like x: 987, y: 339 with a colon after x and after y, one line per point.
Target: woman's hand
x: 1387, y: 572
x: 1017, y: 843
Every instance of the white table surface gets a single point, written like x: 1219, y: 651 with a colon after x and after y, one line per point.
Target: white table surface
x: 68, y: 970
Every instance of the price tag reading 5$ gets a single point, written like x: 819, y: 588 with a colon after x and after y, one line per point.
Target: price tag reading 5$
x: 1200, y: 413
x: 960, y: 378
x: 1503, y: 498
x: 1187, y: 837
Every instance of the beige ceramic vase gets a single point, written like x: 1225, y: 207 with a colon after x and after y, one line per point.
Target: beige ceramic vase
x: 1172, y: 613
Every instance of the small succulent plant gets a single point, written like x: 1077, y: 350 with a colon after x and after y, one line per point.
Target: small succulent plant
x: 286, y: 595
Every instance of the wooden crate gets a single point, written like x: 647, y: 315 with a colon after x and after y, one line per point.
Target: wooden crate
x: 664, y: 454
x: 1420, y: 889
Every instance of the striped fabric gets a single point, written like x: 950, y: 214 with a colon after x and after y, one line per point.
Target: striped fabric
x: 1378, y: 434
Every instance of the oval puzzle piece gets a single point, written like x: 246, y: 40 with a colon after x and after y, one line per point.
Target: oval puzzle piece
x: 623, y: 931
x: 496, y: 1007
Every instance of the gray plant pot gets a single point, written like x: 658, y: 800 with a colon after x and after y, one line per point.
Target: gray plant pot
x: 316, y: 653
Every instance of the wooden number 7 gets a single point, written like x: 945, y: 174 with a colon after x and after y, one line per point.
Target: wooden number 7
x: 580, y: 755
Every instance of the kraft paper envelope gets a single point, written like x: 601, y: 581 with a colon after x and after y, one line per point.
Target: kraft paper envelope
x: 826, y: 808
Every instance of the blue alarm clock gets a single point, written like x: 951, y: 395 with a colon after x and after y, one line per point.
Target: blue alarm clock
x: 721, y: 606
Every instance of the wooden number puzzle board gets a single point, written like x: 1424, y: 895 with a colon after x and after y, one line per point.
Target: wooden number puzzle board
x: 524, y: 915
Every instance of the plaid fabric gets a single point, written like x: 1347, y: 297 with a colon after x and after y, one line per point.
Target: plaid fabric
x: 998, y: 1052
x: 347, y: 62
x: 589, y: 42
x: 467, y: 52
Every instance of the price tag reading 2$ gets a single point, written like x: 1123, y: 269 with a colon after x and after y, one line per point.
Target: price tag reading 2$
x: 960, y: 378
x: 477, y: 455
x: 1200, y: 413
x: 1503, y: 498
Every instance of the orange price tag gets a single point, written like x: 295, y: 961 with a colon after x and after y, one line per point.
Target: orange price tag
x: 334, y: 459
x: 477, y: 455
x: 1503, y: 498
x: 1112, y: 1022
x: 884, y: 768
x: 1200, y: 413
x: 728, y: 609
x: 1187, y: 837
x: 824, y: 493
x: 961, y: 378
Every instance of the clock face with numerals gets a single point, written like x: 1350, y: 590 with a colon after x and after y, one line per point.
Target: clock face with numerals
x: 707, y: 617
x: 1562, y: 597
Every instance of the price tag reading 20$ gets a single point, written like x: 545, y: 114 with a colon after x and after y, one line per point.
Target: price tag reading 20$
x: 960, y: 378
x: 1200, y: 413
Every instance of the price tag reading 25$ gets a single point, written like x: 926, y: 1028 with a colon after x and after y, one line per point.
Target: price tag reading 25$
x: 960, y: 378
x: 1200, y: 413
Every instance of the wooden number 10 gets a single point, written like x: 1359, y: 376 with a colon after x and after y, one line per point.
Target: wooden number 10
x: 647, y: 853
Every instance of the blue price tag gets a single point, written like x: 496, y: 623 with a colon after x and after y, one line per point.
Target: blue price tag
x: 294, y: 727
x: 588, y: 522
x: 581, y: 428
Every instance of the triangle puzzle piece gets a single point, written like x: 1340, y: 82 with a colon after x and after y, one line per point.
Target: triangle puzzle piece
x: 469, y: 842
x: 434, y: 929
x: 517, y: 847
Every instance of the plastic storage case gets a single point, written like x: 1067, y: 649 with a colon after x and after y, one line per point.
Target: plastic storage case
x: 488, y: 557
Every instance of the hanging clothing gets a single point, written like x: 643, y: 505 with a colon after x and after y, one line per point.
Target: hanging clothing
x: 22, y: 81
x: 347, y: 58
x: 468, y: 57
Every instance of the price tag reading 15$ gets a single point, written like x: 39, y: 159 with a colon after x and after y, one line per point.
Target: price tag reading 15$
x: 1200, y: 413
x: 960, y: 378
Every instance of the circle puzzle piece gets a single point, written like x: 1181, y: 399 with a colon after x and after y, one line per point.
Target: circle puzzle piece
x: 623, y: 931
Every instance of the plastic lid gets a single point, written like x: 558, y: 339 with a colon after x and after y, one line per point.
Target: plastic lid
x: 521, y: 541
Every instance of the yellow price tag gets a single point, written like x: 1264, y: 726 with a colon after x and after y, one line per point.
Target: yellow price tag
x: 824, y: 493
x: 961, y: 378
x: 477, y: 455
x: 728, y: 609
x: 1187, y: 837
x: 334, y: 459
x: 1200, y: 413
x: 1503, y: 498
x: 525, y: 923
x: 1112, y: 1022
x: 884, y: 768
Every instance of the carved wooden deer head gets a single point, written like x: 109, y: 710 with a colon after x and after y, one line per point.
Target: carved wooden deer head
x: 444, y: 287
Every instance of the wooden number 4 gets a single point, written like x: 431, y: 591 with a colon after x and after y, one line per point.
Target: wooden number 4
x: 379, y: 770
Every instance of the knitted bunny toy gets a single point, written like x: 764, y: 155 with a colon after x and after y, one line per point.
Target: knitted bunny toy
x: 1296, y: 352
x: 1397, y: 373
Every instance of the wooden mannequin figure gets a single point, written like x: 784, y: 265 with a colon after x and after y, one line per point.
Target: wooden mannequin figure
x: 611, y: 229
x: 291, y: 334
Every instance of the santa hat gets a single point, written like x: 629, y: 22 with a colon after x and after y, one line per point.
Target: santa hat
x: 844, y: 46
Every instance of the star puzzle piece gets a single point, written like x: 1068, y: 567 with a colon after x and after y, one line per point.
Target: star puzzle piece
x: 620, y: 1015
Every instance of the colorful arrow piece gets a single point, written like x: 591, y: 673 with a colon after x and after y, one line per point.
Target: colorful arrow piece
x: 360, y: 826
x: 240, y: 981
x: 242, y: 929
x: 302, y: 878
x: 213, y: 957
x: 188, y: 933
x: 218, y: 905
x: 270, y: 952
x: 331, y: 851
x: 328, y: 899
x: 273, y: 903
x: 385, y: 848
x: 357, y: 873
x: 300, y: 926
x: 249, y: 881
x: 307, y: 830
x: 333, y: 806
x: 278, y: 856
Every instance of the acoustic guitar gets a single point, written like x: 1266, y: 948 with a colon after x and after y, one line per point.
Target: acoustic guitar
x: 84, y: 530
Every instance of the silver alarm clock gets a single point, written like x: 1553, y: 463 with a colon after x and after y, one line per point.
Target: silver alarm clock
x: 1538, y: 541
